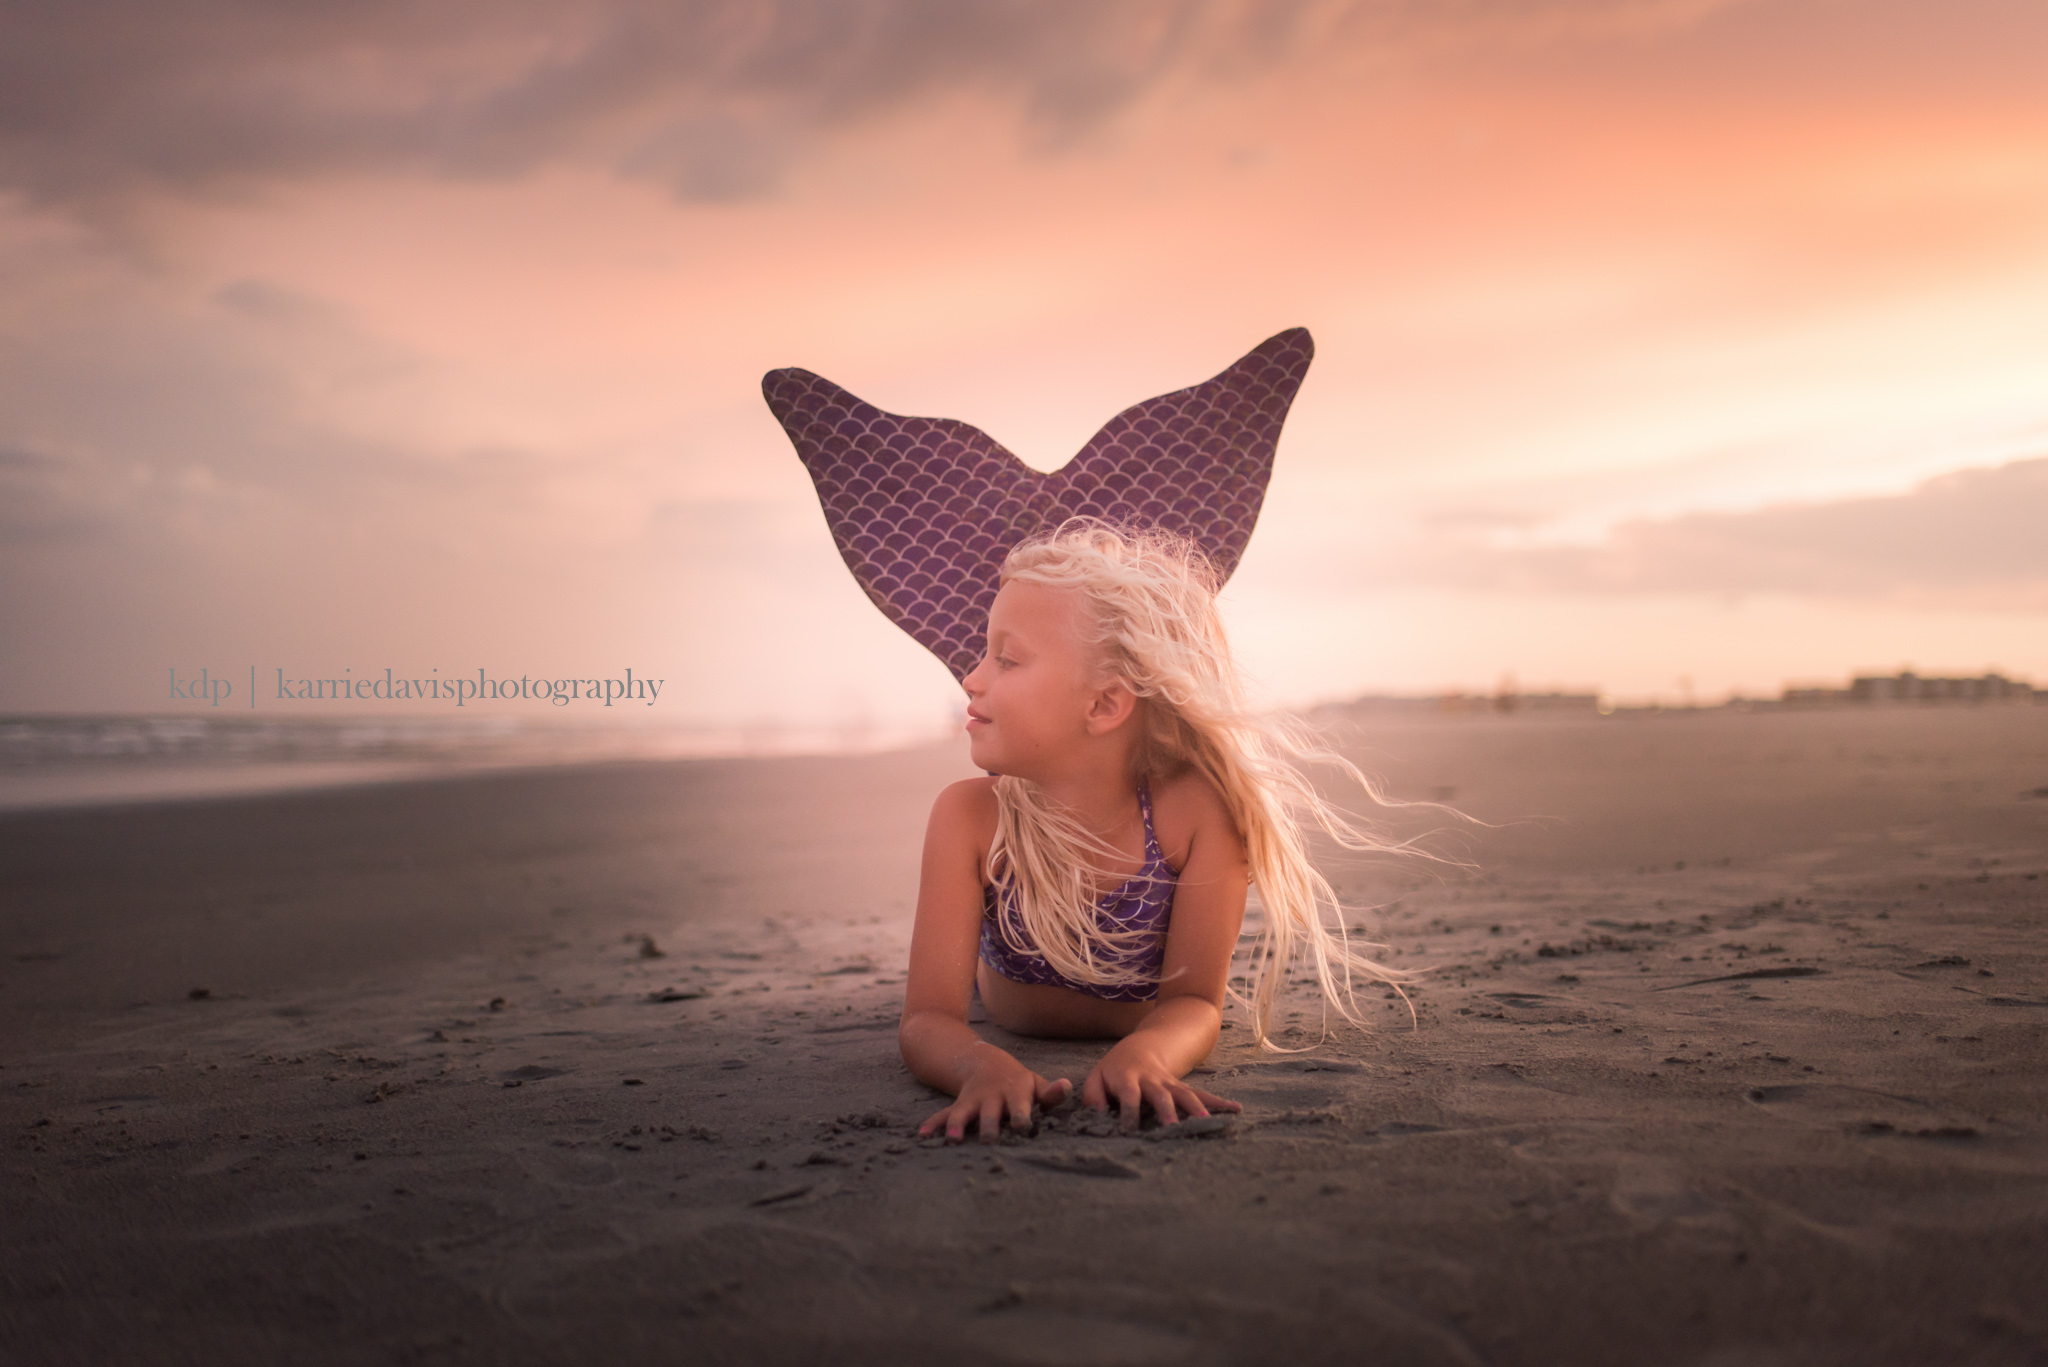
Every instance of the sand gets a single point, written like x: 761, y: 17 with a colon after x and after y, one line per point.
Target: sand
x: 1730, y: 1051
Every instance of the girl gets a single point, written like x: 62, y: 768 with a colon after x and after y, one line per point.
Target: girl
x: 1095, y: 886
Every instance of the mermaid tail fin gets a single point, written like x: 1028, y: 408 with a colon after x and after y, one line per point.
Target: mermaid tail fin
x: 923, y: 510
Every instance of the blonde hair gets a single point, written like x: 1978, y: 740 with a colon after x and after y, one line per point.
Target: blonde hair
x: 1150, y: 615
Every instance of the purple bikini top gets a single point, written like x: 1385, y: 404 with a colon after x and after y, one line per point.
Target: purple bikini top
x: 1144, y: 903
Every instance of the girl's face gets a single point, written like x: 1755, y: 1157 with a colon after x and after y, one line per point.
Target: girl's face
x: 1028, y: 701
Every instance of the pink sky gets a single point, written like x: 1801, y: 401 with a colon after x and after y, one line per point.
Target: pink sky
x: 1655, y: 341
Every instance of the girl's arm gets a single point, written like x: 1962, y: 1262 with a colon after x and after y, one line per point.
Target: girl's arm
x: 1148, y: 1064
x: 939, y: 1046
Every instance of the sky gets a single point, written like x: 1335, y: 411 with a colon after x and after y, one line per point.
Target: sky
x: 1669, y: 348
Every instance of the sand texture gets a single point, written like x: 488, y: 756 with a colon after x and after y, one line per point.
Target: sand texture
x: 1731, y: 1051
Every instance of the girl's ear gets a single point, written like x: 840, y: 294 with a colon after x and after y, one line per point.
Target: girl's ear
x: 1110, y: 708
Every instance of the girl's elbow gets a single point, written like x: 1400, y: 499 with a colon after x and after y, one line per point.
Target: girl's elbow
x: 918, y: 1026
x: 909, y: 1028
x: 910, y: 1037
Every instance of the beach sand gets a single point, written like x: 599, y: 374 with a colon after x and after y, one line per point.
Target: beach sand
x: 1730, y: 1050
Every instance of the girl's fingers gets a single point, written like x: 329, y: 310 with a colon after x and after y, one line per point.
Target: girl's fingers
x: 1128, y: 1102
x: 956, y: 1121
x: 1171, y: 1100
x: 949, y: 1122
x: 1161, y: 1097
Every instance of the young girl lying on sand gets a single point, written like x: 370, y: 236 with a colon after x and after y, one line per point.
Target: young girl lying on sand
x: 1096, y: 886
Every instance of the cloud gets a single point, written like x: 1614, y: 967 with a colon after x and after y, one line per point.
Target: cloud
x: 104, y: 99
x: 711, y: 97
x: 1972, y: 538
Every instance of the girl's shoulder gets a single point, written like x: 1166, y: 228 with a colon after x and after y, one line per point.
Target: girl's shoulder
x: 966, y: 810
x: 1187, y: 791
x: 1185, y: 807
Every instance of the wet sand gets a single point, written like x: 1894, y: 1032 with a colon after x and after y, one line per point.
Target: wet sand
x: 1731, y: 1050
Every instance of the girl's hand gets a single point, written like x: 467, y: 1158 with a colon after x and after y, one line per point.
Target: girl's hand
x: 1133, y: 1076
x: 1000, y: 1084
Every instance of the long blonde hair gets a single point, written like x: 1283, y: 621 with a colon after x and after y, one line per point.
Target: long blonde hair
x: 1150, y: 617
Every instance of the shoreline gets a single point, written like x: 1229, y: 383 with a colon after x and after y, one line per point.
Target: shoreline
x: 121, y: 780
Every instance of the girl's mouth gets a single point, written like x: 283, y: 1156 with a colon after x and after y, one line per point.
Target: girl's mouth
x: 975, y: 718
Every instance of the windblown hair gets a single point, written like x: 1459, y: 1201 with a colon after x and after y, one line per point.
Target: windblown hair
x: 1150, y: 619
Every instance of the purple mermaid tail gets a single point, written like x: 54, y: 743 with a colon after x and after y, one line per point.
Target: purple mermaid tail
x: 923, y: 510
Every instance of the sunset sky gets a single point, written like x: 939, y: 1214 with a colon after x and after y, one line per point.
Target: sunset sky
x: 1661, y: 344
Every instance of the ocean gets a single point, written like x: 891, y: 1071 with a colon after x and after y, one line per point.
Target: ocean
x: 63, y: 761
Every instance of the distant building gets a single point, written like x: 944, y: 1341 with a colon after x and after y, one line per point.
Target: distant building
x: 1897, y: 690
x: 1814, y: 697
x: 1547, y: 702
x: 1908, y: 688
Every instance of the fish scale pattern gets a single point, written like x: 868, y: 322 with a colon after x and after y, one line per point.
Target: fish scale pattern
x: 923, y: 510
